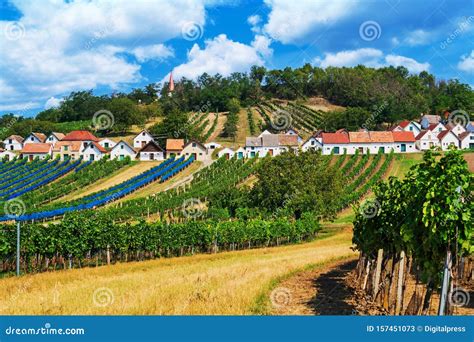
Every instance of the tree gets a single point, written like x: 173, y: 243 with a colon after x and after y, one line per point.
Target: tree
x: 230, y: 127
x: 125, y: 114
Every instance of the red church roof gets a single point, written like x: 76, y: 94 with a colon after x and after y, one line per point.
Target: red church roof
x: 80, y: 136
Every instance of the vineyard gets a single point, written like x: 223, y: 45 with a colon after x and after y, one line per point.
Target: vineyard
x: 418, y: 230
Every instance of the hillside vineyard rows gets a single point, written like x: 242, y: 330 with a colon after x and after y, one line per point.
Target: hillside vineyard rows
x: 119, y: 232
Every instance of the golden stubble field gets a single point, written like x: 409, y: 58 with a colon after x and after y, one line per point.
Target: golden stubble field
x: 225, y: 283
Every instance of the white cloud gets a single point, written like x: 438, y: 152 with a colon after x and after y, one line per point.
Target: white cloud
x: 20, y: 107
x: 418, y: 37
x: 262, y: 45
x: 254, y: 20
x: 467, y: 63
x: 220, y: 55
x: 412, y: 65
x: 290, y: 21
x: 156, y: 51
x: 52, y: 102
x: 369, y: 57
x: 74, y: 45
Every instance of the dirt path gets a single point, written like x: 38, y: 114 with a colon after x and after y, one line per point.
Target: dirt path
x: 220, y: 126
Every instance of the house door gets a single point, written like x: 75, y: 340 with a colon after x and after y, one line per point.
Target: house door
x: 270, y: 152
x: 30, y: 157
x: 11, y: 147
x: 227, y: 156
x: 121, y: 157
x: 403, y: 147
x: 241, y: 155
x: 471, y: 146
x: 194, y: 155
x: 382, y: 149
x: 91, y: 157
x: 152, y: 156
x: 361, y: 150
x: 252, y: 154
x: 336, y: 150
x: 143, y: 143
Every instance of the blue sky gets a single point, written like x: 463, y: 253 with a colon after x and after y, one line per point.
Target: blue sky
x: 50, y: 48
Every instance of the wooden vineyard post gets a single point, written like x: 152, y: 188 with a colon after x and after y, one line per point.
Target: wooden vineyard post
x: 108, y: 255
x: 378, y: 269
x: 399, y: 304
x: 445, y: 287
x: 366, y: 277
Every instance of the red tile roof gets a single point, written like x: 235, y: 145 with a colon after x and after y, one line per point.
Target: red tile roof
x: 99, y: 147
x: 16, y: 137
x: 381, y: 137
x: 73, y: 146
x: 41, y: 137
x: 403, y: 136
x: 421, y: 134
x: 464, y: 135
x: 80, y: 136
x: 359, y: 137
x: 36, y: 148
x: 335, y: 138
x: 404, y: 123
x: 174, y: 144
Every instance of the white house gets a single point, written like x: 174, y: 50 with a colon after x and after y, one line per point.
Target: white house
x: 437, y: 128
x: 408, y: 126
x: 466, y: 140
x: 426, y: 140
x: 143, y: 138
x: 240, y: 153
x: 427, y: 120
x: 404, y: 142
x: 6, y: 155
x: 314, y: 142
x: 35, y: 138
x: 212, y: 145
x: 270, y: 144
x: 122, y: 150
x: 335, y: 143
x: 13, y: 143
x: 196, y: 149
x: 448, y: 138
x: 227, y: 152
x: 93, y: 152
x: 54, y: 137
x: 457, y: 129
x: 151, y: 151
x: 107, y: 143
x: 36, y: 150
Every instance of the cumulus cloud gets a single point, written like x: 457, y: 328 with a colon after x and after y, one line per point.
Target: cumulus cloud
x: 58, y: 47
x: 289, y: 21
x: 52, y: 102
x: 419, y: 37
x: 262, y: 45
x: 467, y: 63
x: 412, y: 65
x: 156, y: 51
x: 220, y: 55
x: 369, y: 57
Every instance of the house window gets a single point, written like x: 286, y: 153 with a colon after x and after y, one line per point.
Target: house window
x: 66, y: 148
x: 106, y: 145
x: 121, y: 146
x: 143, y: 133
x: 312, y: 142
x: 10, y: 141
x: 194, y: 144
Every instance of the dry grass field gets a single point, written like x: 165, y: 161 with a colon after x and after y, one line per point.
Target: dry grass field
x: 209, y: 284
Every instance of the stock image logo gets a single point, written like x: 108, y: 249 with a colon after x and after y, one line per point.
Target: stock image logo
x: 459, y: 297
x: 191, y: 208
x: 281, y: 120
x: 14, y: 208
x: 460, y: 117
x: 192, y: 31
x: 369, y: 209
x: 280, y: 297
x: 102, y: 297
x: 14, y: 31
x: 103, y: 120
x: 370, y: 30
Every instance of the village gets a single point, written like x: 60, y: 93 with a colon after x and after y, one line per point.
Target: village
x: 405, y: 137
